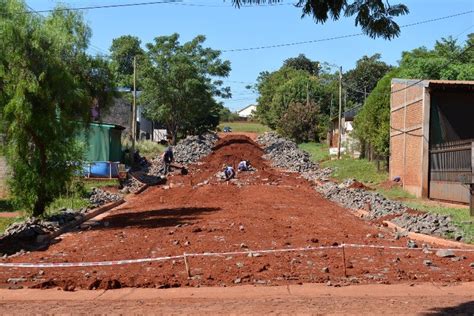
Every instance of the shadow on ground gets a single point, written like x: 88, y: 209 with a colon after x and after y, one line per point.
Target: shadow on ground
x: 466, y: 308
x: 168, y: 217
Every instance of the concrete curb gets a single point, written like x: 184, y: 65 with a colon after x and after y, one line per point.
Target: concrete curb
x: 95, y: 212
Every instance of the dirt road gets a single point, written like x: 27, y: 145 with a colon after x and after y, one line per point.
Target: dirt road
x: 421, y: 299
x: 267, y: 209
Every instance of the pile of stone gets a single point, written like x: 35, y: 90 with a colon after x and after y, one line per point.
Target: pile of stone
x: 100, y: 197
x: 285, y: 154
x: 430, y: 224
x: 193, y: 148
x: 323, y: 174
x: 32, y: 227
x: 376, y: 204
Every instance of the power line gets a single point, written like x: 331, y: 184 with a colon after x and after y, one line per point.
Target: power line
x: 341, y: 36
x: 174, y: 2
x: 109, y: 6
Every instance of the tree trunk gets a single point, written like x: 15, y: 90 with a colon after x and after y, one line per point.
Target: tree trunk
x: 42, y: 199
x: 40, y: 206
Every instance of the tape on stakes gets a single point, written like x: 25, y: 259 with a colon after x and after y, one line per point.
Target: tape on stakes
x: 209, y: 254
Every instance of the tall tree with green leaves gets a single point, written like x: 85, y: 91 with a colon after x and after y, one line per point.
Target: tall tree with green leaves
x: 123, y: 50
x: 48, y: 85
x: 287, y: 89
x: 179, y: 83
x: 375, y: 17
x: 361, y: 80
x: 301, y: 62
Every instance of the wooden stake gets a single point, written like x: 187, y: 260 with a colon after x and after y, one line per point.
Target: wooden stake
x: 188, y: 270
x: 344, y: 260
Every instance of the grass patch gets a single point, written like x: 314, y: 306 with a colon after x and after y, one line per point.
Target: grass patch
x: 6, y: 206
x: 246, y: 127
x: 5, y: 222
x: 396, y: 193
x: 361, y: 169
x: 89, y: 184
x: 150, y: 149
x: 319, y: 152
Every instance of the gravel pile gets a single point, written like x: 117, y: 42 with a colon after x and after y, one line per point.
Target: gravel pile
x: 193, y: 148
x: 285, y: 154
x: 32, y: 227
x: 430, y: 224
x: 100, y: 197
x: 318, y: 174
x: 377, y: 205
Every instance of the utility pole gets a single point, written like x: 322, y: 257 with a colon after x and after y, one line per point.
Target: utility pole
x: 134, y: 108
x: 307, y: 93
x: 340, y: 114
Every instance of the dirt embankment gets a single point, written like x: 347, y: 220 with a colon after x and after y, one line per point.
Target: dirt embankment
x: 266, y: 209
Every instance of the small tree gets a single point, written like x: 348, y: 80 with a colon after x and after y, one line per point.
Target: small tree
x: 300, y: 122
x: 178, y: 89
x: 48, y: 85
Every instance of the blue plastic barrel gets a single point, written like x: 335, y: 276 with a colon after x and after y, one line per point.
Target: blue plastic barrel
x: 101, y: 169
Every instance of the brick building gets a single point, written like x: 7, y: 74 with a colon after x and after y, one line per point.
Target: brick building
x: 432, y: 137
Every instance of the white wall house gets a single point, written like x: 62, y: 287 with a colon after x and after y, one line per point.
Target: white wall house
x: 248, y: 111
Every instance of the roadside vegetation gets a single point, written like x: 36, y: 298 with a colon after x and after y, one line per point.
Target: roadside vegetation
x: 366, y: 172
x: 76, y: 197
x: 247, y: 127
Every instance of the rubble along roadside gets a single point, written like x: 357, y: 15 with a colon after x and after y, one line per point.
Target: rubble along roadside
x: 24, y: 234
x: 285, y: 154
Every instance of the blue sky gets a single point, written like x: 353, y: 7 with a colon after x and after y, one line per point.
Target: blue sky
x: 228, y: 28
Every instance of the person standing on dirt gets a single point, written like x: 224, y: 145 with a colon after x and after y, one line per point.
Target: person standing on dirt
x: 168, y: 158
x: 229, y: 172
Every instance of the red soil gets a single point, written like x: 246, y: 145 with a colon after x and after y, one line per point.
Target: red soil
x: 266, y: 209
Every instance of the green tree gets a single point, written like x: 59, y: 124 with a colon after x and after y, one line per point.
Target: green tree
x: 178, y: 84
x: 372, y: 123
x: 123, y: 51
x: 457, y: 61
x: 286, y: 86
x: 302, y: 63
x: 361, y: 80
x: 225, y: 115
x: 299, y: 122
x: 48, y: 85
x: 375, y: 17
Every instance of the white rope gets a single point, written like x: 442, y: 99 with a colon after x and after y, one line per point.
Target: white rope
x: 209, y: 254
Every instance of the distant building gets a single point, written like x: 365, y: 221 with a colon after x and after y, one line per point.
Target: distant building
x: 120, y: 113
x: 432, y: 137
x: 248, y: 111
x: 349, y: 144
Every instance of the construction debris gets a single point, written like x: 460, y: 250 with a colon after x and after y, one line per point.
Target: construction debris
x: 100, y: 197
x: 285, y: 153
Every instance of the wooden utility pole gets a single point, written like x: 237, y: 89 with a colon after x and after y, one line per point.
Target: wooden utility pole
x: 307, y: 93
x: 340, y: 115
x: 134, y: 108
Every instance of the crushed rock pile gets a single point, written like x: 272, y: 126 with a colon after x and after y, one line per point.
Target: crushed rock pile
x: 33, y: 227
x: 100, y: 197
x: 379, y: 206
x: 376, y: 204
x: 430, y: 224
x: 193, y: 148
x: 352, y: 194
x: 188, y: 150
x: 285, y: 153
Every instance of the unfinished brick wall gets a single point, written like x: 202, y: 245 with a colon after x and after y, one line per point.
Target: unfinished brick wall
x: 406, y: 141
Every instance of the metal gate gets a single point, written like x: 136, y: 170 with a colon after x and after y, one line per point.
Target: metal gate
x: 451, y: 164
